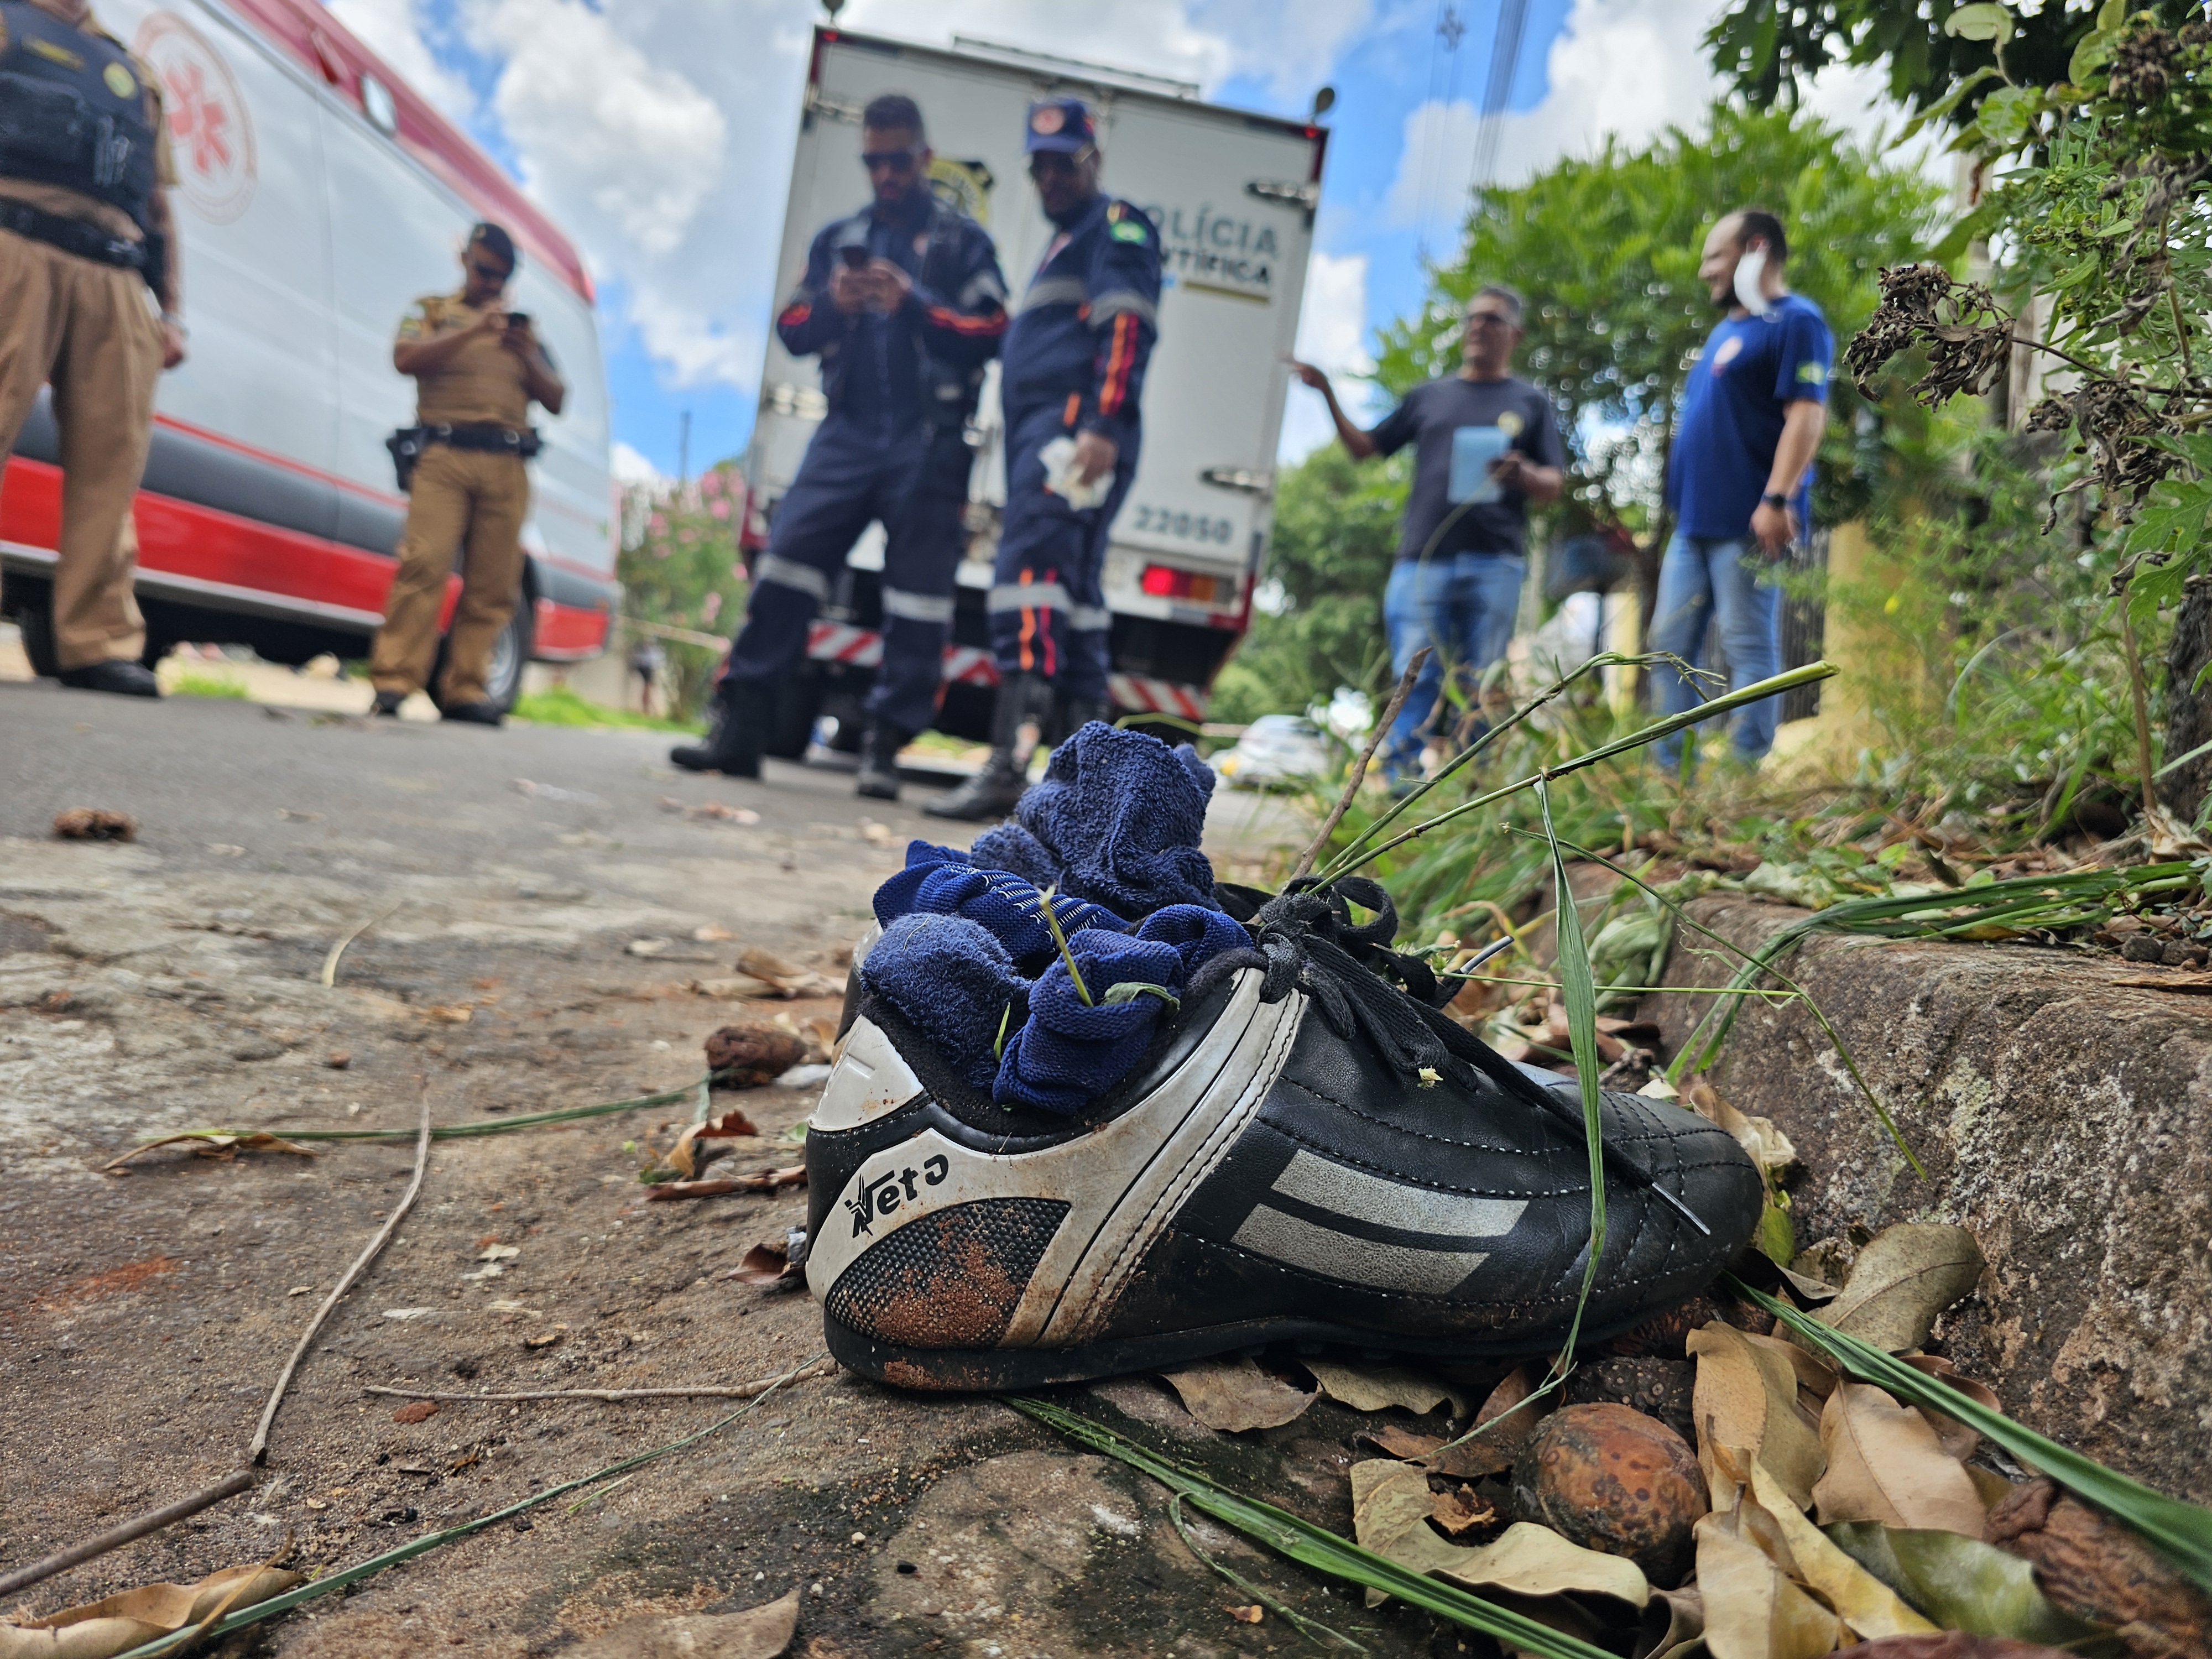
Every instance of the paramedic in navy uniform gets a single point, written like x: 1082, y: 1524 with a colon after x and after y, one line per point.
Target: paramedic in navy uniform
x: 904, y: 304
x: 1073, y: 368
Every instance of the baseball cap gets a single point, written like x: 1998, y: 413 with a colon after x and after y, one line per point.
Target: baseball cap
x: 1060, y: 124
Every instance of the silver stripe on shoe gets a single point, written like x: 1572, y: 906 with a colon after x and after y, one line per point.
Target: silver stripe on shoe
x: 789, y: 572
x: 1344, y: 1191
x: 1298, y: 1243
x: 916, y: 607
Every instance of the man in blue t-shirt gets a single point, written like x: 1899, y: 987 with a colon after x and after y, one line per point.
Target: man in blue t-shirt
x: 1739, y: 478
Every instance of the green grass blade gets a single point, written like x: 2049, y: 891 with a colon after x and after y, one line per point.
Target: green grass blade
x: 1351, y: 859
x: 1314, y: 1546
x: 176, y: 1641
x: 466, y: 1130
x: 1578, y: 988
x: 2182, y: 1531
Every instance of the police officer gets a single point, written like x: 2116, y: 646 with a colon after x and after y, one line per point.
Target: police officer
x: 905, y: 305
x: 477, y: 366
x: 85, y: 231
x: 1074, y: 367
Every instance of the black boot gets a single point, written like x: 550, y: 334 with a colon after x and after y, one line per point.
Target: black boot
x: 734, y: 740
x: 880, y: 743
x: 992, y: 793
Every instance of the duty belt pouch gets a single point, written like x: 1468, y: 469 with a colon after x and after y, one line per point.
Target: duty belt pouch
x: 406, y: 447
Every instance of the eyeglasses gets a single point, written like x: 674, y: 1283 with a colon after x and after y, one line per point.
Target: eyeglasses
x: 489, y: 273
x: 1490, y: 319
x: 889, y: 160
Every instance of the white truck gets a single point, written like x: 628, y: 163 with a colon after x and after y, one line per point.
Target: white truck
x: 1233, y: 195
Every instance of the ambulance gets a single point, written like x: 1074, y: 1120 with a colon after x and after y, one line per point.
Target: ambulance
x: 1234, y: 195
x: 318, y: 195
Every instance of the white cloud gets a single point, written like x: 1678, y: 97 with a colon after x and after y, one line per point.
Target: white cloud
x: 630, y: 466
x: 1436, y: 164
x: 1332, y: 335
x: 393, y: 30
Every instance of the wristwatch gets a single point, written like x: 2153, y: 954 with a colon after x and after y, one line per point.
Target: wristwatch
x: 1773, y: 499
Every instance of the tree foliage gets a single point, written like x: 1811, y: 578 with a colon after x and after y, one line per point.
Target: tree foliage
x: 678, y: 566
x: 1605, y: 249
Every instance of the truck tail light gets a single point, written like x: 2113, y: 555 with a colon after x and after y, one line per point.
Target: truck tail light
x: 1164, y: 582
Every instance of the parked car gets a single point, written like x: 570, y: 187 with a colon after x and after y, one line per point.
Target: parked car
x: 1276, y: 751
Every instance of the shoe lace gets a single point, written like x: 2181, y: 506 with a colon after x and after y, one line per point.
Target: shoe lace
x: 1311, y: 942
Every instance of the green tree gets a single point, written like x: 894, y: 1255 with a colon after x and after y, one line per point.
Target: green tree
x: 679, y: 566
x: 1605, y: 251
x: 1336, y: 530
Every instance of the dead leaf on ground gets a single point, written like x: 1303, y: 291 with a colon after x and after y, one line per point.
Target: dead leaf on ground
x: 1958, y: 1440
x: 752, y: 1053
x: 1768, y: 1148
x: 761, y: 1632
x: 764, y: 1181
x: 1886, y: 1464
x: 94, y: 823
x: 1251, y: 1615
x: 1905, y: 1276
x: 416, y: 1411
x: 550, y: 1338
x: 1746, y: 1395
x: 1460, y: 1513
x: 1390, y: 1510
x: 732, y: 1125
x: 1959, y: 1582
x: 1495, y: 1450
x: 1235, y: 1394
x: 790, y: 979
x: 767, y: 1263
x: 738, y: 988
x: 119, y: 1623
x: 224, y: 1143
x: 1674, y: 1623
x: 1753, y: 1608
x: 1374, y: 1387
x: 457, y: 1013
x: 1395, y: 1442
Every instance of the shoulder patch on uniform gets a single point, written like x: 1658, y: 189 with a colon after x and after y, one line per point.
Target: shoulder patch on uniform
x: 1813, y: 373
x: 1127, y: 230
x: 119, y: 80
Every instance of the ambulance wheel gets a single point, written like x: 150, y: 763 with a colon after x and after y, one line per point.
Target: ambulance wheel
x: 510, y: 655
x: 798, y: 701
x: 35, y: 624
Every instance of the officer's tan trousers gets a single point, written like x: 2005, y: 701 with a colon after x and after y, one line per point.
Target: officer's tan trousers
x: 458, y: 495
x: 85, y: 327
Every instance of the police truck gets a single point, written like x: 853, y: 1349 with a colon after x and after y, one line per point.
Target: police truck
x: 1233, y: 195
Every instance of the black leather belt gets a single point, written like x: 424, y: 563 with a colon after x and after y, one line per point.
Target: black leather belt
x: 495, y: 440
x: 87, y: 241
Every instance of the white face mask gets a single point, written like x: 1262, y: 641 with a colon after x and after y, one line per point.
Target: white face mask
x: 1750, y: 272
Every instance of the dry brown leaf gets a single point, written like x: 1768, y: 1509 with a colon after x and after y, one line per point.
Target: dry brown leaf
x: 788, y: 977
x: 416, y: 1411
x: 766, y: 1263
x: 94, y: 823
x: 1390, y: 1510
x: 1458, y: 1513
x: 762, y: 1181
x: 119, y: 1623
x: 730, y: 1126
x: 1958, y: 1440
x: 1674, y: 1623
x: 1768, y: 1148
x: 1751, y: 1608
x: 1390, y: 1438
x: 1235, y: 1394
x: 1251, y: 1615
x: 1886, y: 1464
x: 1905, y: 1277
x: 1869, y: 1607
x: 216, y: 1143
x: 1746, y: 1395
x: 455, y: 1014
x: 738, y: 988
x: 1374, y: 1387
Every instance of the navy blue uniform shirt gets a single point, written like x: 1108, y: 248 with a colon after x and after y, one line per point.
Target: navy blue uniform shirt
x: 877, y: 370
x: 1752, y: 369
x: 1084, y: 330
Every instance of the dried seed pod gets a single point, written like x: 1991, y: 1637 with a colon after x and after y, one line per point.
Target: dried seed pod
x: 752, y: 1053
x: 1614, y: 1479
x: 2096, y: 1569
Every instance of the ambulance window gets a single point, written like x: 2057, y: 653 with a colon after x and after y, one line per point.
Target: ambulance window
x: 376, y: 103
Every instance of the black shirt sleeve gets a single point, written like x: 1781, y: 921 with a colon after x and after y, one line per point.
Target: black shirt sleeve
x: 1543, y: 435
x: 1399, y: 427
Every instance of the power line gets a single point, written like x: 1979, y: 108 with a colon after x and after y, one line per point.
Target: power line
x: 1498, y: 91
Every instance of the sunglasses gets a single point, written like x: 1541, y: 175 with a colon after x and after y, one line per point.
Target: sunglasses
x: 490, y: 273
x: 889, y: 160
x: 1489, y: 319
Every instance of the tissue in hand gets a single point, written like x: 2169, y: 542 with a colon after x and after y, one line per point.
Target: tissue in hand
x: 1059, y: 459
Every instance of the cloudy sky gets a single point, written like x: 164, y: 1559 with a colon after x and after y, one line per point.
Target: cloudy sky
x: 659, y: 133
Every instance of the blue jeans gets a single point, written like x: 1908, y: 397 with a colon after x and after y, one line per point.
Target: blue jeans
x: 1697, y: 579
x: 1462, y: 607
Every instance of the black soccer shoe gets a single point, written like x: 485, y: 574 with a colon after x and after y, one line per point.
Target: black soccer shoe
x: 123, y: 680
x: 1278, y: 1167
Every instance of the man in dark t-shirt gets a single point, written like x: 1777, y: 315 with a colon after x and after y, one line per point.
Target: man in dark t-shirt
x: 1487, y: 446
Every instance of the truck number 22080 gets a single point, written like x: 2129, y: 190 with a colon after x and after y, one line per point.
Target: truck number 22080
x: 1191, y: 527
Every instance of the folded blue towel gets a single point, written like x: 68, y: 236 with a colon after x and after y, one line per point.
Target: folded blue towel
x: 955, y: 983
x: 941, y: 879
x: 1116, y: 819
x: 1068, y: 1052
